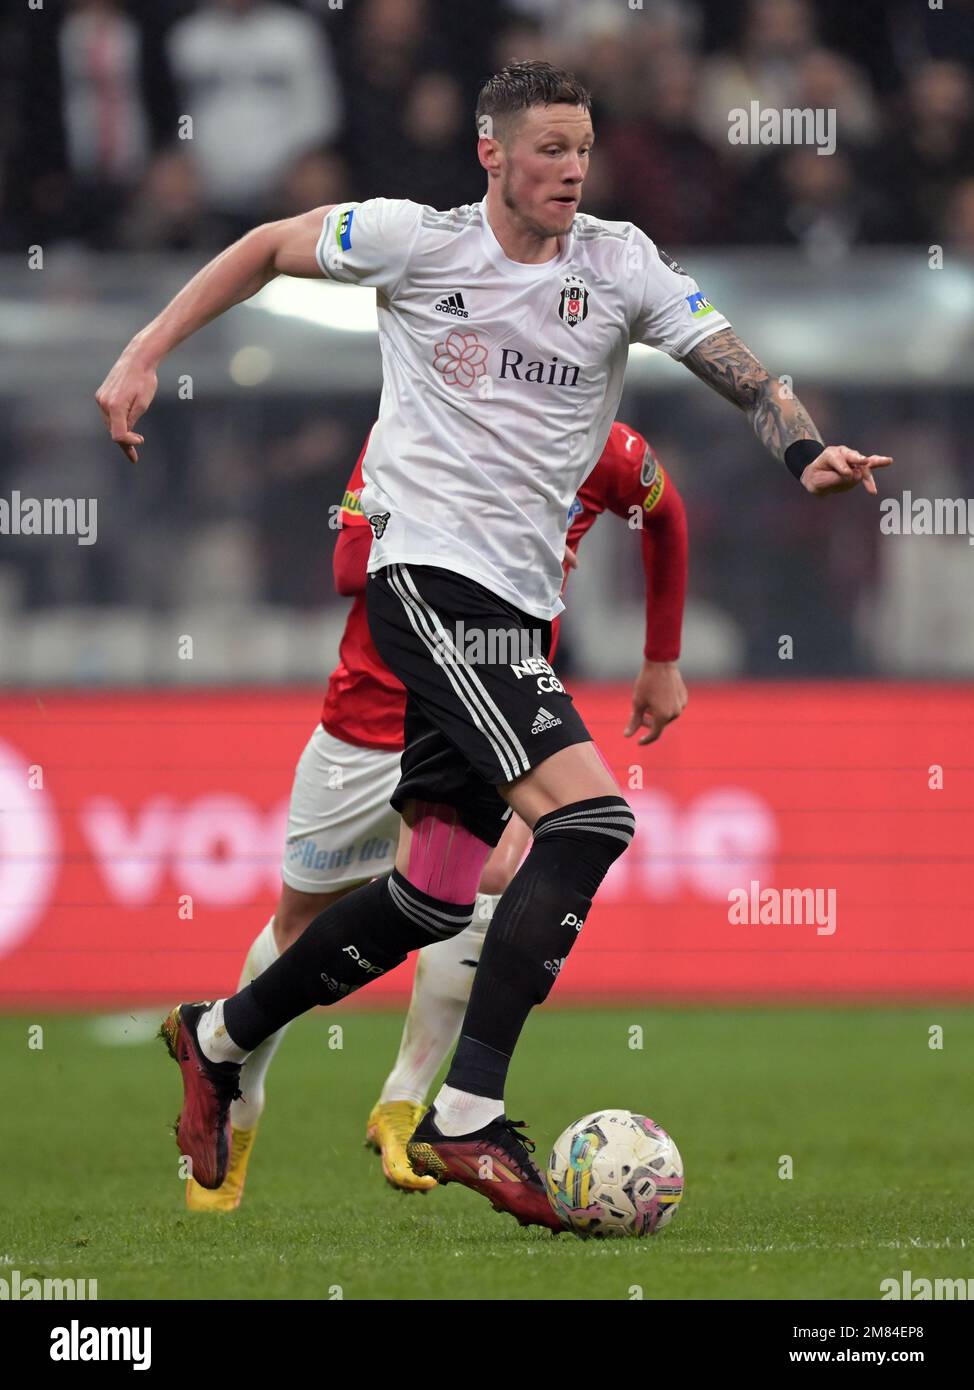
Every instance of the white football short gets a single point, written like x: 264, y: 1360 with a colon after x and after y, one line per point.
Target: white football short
x: 341, y: 828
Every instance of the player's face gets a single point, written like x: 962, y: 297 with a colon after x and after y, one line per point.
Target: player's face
x: 544, y: 165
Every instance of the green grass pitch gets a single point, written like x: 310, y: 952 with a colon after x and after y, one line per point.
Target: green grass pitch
x: 879, y: 1127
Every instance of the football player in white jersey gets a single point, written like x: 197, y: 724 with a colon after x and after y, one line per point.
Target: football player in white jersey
x: 504, y: 329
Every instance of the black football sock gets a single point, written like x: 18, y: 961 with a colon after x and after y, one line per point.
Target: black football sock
x: 534, y: 927
x: 352, y: 942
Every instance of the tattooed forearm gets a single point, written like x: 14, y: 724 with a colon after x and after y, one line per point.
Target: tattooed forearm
x: 778, y: 417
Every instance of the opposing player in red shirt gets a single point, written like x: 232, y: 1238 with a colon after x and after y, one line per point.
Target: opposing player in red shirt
x: 342, y: 830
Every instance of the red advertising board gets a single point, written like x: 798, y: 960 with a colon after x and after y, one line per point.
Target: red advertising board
x: 794, y: 840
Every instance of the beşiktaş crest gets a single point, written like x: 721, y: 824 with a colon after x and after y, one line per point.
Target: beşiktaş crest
x: 573, y: 305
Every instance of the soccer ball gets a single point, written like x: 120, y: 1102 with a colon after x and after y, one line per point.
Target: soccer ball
x: 614, y: 1173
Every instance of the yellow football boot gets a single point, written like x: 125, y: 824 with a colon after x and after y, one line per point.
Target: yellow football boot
x: 389, y: 1129
x: 227, y: 1196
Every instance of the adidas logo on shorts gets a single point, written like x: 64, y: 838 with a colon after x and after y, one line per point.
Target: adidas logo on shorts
x: 452, y: 304
x: 544, y: 719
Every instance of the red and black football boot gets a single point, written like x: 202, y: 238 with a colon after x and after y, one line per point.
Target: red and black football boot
x: 494, y: 1161
x: 203, y: 1127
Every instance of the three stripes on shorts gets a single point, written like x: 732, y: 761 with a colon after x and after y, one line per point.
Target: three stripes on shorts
x: 469, y: 688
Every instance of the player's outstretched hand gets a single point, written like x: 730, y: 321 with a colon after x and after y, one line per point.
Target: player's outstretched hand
x: 658, y: 697
x: 124, y: 395
x: 837, y: 469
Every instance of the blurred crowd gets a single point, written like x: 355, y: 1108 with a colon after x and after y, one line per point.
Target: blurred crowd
x: 172, y: 126
x: 177, y: 124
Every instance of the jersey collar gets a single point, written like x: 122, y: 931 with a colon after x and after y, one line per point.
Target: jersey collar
x: 518, y: 269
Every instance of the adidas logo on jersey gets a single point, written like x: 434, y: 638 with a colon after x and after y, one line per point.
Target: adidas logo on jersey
x: 543, y: 720
x: 452, y: 304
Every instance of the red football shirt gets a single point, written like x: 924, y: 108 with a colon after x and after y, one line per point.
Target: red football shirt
x: 365, y: 703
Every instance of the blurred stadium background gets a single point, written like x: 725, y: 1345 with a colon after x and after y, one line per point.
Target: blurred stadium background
x: 134, y: 780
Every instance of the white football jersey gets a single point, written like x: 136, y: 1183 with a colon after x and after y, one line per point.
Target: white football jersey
x: 500, y: 380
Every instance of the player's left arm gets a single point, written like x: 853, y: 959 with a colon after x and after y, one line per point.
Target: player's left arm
x: 642, y: 490
x: 778, y: 417
x: 659, y: 694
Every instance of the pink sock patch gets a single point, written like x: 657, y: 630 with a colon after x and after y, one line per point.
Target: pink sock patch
x: 445, y: 859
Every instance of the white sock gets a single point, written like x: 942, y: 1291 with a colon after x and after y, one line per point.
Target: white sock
x: 215, y: 1042
x: 461, y: 1112
x: 245, y: 1113
x: 263, y: 952
x: 440, y: 993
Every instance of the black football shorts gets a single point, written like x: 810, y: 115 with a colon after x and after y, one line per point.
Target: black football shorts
x: 483, y: 706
